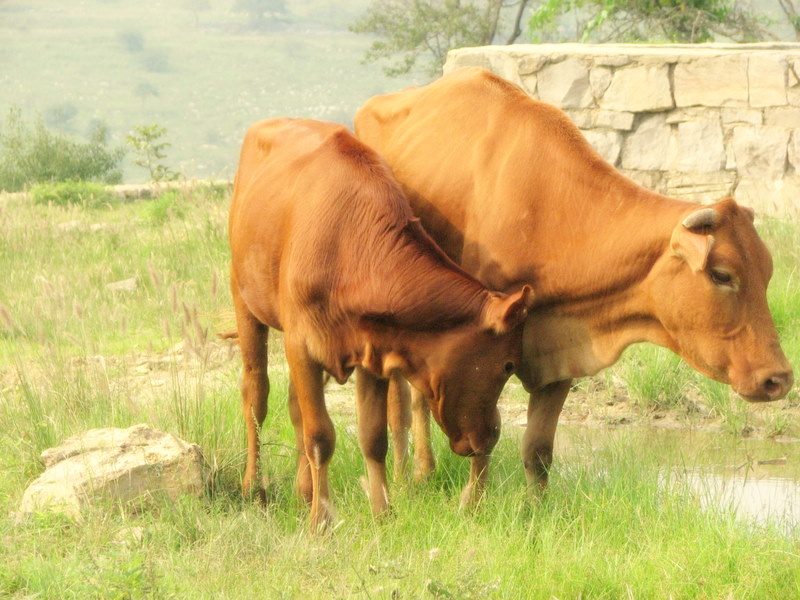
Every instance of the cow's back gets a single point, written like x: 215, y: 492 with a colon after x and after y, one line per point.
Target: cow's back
x: 479, y: 158
x: 294, y: 214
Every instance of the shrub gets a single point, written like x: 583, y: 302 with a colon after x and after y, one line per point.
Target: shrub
x: 30, y: 154
x: 83, y: 193
x: 150, y: 151
x: 169, y: 205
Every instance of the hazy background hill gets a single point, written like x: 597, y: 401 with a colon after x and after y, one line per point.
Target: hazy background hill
x: 197, y: 68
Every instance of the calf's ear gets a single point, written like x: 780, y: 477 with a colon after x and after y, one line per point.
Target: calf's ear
x: 503, y: 313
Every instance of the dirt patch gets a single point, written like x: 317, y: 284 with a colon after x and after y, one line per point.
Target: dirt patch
x: 593, y: 402
x: 190, y: 368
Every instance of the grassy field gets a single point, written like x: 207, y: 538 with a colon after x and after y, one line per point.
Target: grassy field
x: 76, y: 353
x: 202, y: 74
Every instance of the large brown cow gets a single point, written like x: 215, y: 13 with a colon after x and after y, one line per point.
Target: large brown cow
x: 511, y: 190
x: 325, y: 247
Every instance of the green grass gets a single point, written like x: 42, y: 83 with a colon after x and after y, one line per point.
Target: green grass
x: 75, y: 354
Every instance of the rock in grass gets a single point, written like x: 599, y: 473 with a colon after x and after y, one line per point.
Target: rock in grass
x: 128, y: 467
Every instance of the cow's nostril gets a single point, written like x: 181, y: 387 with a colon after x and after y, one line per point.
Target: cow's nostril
x: 772, y: 386
x: 777, y: 385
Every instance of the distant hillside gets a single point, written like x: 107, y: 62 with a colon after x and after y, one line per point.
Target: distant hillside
x: 203, y: 74
x: 192, y: 66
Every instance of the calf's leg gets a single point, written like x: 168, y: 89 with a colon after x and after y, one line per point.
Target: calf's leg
x: 255, y: 389
x: 399, y: 414
x: 302, y: 482
x: 319, y: 436
x: 371, y: 409
x: 424, y: 462
x: 544, y: 408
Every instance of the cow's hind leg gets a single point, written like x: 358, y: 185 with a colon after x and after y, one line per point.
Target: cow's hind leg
x: 424, y: 462
x: 371, y: 409
x: 255, y: 389
x: 319, y: 436
x: 399, y: 414
x: 544, y: 408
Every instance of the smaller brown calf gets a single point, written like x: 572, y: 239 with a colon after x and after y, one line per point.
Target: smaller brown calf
x: 325, y: 247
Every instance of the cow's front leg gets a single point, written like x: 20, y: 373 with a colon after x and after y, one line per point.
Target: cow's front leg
x: 424, y: 462
x: 475, y: 489
x: 319, y: 436
x: 399, y: 415
x: 371, y: 408
x: 544, y: 408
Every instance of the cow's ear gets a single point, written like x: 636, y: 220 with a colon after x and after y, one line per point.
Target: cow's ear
x: 503, y: 313
x: 691, y: 246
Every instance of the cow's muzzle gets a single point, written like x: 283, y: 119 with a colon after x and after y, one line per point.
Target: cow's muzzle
x: 768, y: 386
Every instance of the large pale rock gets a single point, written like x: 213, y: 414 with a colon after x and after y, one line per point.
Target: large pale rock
x: 565, y: 84
x: 638, y: 89
x: 611, y: 119
x: 649, y: 147
x: 793, y: 152
x: 681, y: 115
x: 599, y: 80
x: 608, y: 143
x: 782, y: 116
x: 494, y: 58
x: 123, y: 466
x: 701, y: 187
x: 741, y: 116
x: 700, y: 147
x: 778, y: 197
x: 713, y: 81
x: 766, y: 76
x: 758, y: 152
x: 583, y: 119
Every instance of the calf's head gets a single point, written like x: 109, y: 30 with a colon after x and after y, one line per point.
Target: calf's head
x: 709, y: 291
x: 463, y: 370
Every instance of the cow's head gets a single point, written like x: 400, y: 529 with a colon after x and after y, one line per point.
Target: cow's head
x: 710, y: 294
x: 463, y: 370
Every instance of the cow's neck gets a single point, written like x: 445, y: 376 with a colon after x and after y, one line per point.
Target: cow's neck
x: 593, y: 286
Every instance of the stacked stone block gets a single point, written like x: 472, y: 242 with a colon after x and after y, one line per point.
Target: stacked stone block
x: 694, y: 121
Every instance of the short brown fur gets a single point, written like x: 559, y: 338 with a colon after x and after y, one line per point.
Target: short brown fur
x: 325, y: 247
x: 511, y: 190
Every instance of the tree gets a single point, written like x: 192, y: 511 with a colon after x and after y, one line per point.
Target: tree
x: 686, y: 21
x: 792, y: 15
x: 145, y: 141
x: 257, y: 10
x: 422, y: 31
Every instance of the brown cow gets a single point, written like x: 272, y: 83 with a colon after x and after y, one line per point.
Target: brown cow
x: 511, y: 190
x: 325, y: 247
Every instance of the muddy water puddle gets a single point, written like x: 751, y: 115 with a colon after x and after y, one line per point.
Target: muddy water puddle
x: 759, y: 479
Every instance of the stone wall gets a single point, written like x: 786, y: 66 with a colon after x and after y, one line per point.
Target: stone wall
x: 693, y: 121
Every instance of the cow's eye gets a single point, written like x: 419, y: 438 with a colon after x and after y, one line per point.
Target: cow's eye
x: 509, y: 368
x: 722, y: 278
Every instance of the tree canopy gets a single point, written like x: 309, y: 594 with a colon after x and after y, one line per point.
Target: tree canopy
x: 685, y: 21
x: 417, y: 34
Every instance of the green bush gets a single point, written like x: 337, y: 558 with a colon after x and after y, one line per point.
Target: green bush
x: 169, y: 205
x: 82, y: 193
x: 30, y: 154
